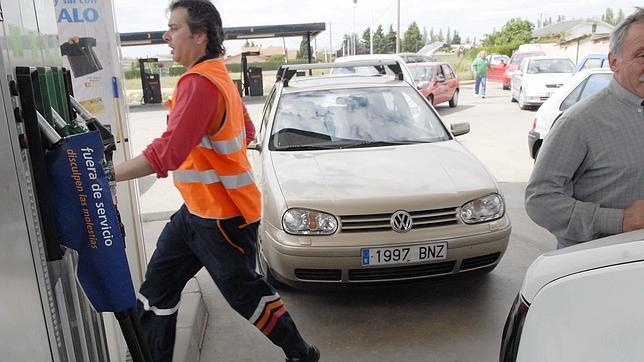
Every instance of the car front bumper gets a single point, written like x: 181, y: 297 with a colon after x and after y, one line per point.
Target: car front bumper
x: 302, y: 265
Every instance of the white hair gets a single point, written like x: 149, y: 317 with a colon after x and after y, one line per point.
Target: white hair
x: 619, y: 33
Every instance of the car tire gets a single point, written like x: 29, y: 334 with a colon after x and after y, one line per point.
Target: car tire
x: 506, y: 86
x: 264, y: 270
x: 521, y: 100
x: 512, y: 99
x: 454, y: 101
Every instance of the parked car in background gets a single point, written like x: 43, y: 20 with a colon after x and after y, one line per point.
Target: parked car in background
x: 537, y: 78
x: 580, y: 304
x: 415, y: 58
x: 592, y: 61
x: 580, y: 86
x: 332, y: 213
x: 515, y: 60
x: 437, y: 81
x: 498, y: 62
x: 371, y: 70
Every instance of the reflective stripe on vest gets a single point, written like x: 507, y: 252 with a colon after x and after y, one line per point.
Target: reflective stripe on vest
x: 211, y: 177
x: 224, y: 147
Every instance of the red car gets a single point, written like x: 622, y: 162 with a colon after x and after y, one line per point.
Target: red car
x: 437, y: 81
x: 516, y: 59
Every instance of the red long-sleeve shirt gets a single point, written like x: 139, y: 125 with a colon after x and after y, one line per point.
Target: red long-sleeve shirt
x: 194, y: 109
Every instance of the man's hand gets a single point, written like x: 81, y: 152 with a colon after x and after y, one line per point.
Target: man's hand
x: 634, y: 216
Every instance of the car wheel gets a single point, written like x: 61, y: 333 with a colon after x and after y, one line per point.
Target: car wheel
x: 454, y: 101
x: 512, y: 99
x: 522, y: 104
x: 263, y: 268
x: 506, y: 86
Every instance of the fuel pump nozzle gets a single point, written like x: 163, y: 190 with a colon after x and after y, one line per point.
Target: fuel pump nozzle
x: 94, y: 124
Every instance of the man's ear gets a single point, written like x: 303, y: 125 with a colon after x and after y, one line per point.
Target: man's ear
x: 200, y: 37
x: 613, y: 62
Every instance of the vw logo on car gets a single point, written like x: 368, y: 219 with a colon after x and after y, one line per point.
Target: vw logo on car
x: 401, y: 221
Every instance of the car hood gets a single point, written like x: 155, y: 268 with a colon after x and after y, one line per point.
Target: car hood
x: 613, y: 250
x: 370, y: 180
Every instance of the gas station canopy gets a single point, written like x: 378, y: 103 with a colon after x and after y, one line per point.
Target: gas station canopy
x: 233, y: 33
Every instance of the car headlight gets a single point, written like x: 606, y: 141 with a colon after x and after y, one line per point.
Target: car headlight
x: 309, y: 222
x: 487, y: 208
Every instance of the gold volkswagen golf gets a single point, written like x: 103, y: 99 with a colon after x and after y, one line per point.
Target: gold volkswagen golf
x: 362, y: 183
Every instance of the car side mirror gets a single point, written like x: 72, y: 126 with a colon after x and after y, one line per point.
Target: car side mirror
x: 459, y: 129
x: 440, y: 78
x: 254, y: 146
x: 420, y: 84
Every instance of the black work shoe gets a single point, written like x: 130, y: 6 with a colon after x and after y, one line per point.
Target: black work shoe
x: 313, y: 355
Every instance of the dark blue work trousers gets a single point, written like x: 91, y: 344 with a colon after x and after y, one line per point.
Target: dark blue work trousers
x: 227, y: 249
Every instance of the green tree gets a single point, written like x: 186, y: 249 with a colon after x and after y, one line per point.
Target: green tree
x: 302, y: 53
x: 514, y: 33
x: 412, y: 39
x: 249, y: 44
x: 620, y: 16
x: 448, y: 38
x: 456, y: 39
x: 390, y: 41
x: 366, y: 39
x: 608, y: 16
x: 432, y: 36
x: 379, y: 40
x: 440, y: 36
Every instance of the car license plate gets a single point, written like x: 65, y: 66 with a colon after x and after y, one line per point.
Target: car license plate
x: 404, y: 254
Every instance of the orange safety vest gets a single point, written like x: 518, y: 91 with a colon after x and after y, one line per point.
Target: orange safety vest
x: 216, y: 179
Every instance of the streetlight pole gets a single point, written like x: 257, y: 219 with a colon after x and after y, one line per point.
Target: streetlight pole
x: 370, y: 27
x: 398, y: 27
x: 353, y: 31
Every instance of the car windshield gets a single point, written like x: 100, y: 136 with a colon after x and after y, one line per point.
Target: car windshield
x: 537, y: 66
x: 517, y: 58
x: 423, y: 74
x: 354, y: 117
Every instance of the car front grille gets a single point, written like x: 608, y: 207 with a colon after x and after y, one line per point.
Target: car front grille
x: 401, y: 272
x: 479, y: 261
x: 333, y: 275
x: 381, y: 222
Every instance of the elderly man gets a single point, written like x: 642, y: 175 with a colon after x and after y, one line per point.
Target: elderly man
x: 588, y: 181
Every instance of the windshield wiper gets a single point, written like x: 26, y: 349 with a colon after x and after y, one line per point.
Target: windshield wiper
x: 304, y: 147
x: 377, y: 144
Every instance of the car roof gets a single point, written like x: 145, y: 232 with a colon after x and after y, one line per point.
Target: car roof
x: 300, y: 84
x: 613, y: 250
x: 542, y: 57
x: 368, y: 56
x: 597, y: 56
x: 425, y: 64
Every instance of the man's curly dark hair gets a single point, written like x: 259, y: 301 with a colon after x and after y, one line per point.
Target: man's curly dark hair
x: 203, y: 16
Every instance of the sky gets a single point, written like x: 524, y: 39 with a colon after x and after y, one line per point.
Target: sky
x: 471, y: 18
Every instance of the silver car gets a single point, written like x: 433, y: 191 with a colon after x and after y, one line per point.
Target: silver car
x: 362, y: 182
x: 537, y: 78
